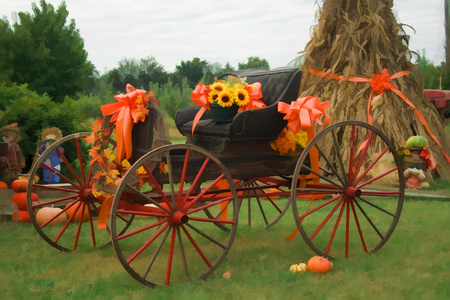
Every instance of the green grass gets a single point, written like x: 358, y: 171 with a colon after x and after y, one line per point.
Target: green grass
x: 414, y: 264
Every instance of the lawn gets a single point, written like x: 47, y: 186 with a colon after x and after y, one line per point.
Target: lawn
x: 412, y: 265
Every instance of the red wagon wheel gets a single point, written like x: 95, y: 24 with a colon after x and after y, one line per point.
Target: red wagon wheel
x: 360, y: 196
x: 69, y: 187
x: 171, y: 239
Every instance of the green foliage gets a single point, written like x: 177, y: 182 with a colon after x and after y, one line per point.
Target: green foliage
x: 33, y: 112
x: 254, y: 62
x: 192, y: 70
x: 44, y: 52
x: 171, y: 97
x: 137, y: 73
x: 427, y: 73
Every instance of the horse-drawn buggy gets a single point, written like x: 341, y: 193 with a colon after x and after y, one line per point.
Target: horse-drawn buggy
x: 172, y: 213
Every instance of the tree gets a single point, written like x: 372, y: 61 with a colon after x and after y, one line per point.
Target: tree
x: 45, y: 52
x: 192, y: 70
x: 254, y: 62
x: 447, y: 33
x: 361, y: 38
x: 137, y: 73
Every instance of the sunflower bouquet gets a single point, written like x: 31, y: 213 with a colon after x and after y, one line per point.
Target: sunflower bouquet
x: 233, y: 92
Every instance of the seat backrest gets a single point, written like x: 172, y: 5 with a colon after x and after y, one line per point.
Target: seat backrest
x: 274, y: 82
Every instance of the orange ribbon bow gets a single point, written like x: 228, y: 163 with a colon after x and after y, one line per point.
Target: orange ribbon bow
x: 200, y: 97
x: 130, y: 109
x: 380, y: 83
x: 303, y: 111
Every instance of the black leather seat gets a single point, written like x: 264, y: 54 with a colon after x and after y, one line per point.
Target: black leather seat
x: 280, y: 84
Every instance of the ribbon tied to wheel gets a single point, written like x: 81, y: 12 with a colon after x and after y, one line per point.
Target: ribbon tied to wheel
x: 381, y: 83
x: 129, y: 109
x: 301, y: 115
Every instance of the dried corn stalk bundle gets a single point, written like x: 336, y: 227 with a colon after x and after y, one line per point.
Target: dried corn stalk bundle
x: 361, y: 38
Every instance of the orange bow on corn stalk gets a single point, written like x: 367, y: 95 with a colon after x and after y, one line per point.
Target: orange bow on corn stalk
x: 130, y: 108
x: 380, y: 83
x: 300, y: 115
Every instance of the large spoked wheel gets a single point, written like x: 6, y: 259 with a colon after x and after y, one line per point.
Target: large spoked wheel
x: 67, y: 186
x: 265, y: 200
x: 172, y: 239
x: 360, y: 196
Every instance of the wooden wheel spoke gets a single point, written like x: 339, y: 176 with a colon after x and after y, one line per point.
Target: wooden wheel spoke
x: 347, y: 228
x: 371, y: 165
x: 326, y: 219
x: 206, y: 235
x: 203, y: 192
x: 183, y: 177
x: 80, y: 223
x: 91, y: 223
x: 156, y: 184
x: 80, y: 159
x: 363, y: 156
x: 156, y: 253
x: 147, y: 198
x: 139, y: 213
x: 330, y: 165
x: 377, y: 207
x: 67, y: 222
x: 54, y: 188
x: 369, y: 220
x: 55, y: 172
x: 69, y: 167
x: 359, y: 227
x: 262, y: 210
x: 169, y: 262
x: 211, y: 220
x: 209, y: 205
x: 322, y: 191
x: 335, y: 228
x: 339, y: 156
x: 196, y: 180
x: 352, y: 153
x: 125, y: 235
x: 321, y: 176
x: 146, y: 244
x: 319, y: 207
x: 55, y: 201
x: 199, y: 251
x: 377, y: 177
x: 171, y: 182
x: 183, y: 254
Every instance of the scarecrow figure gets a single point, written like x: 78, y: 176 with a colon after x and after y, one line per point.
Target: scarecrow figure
x: 11, y: 158
x: 53, y: 159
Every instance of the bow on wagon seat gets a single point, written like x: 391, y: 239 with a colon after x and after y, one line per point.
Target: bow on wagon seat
x: 280, y: 84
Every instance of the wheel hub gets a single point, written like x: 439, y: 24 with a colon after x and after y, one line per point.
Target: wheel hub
x: 352, y: 192
x: 179, y: 218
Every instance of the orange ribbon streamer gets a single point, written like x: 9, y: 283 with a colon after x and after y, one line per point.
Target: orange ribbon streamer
x: 300, y: 115
x: 380, y: 83
x: 303, y: 111
x: 130, y: 109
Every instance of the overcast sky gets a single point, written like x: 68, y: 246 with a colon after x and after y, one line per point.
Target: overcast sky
x: 218, y: 31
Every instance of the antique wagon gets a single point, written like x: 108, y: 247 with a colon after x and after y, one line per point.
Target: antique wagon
x: 175, y: 212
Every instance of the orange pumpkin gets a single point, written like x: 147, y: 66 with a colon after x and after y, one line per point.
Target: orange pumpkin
x: 47, y: 213
x: 319, y: 264
x: 19, y: 186
x: 3, y: 185
x: 70, y: 211
x: 20, y: 199
x: 21, y: 216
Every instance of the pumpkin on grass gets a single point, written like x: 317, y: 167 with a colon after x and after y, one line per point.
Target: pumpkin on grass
x: 319, y: 264
x: 3, y: 185
x: 47, y: 213
x: 70, y: 211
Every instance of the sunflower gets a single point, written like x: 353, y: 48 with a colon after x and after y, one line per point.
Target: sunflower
x: 213, y: 95
x: 241, y: 96
x: 218, y: 86
x: 225, y: 99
